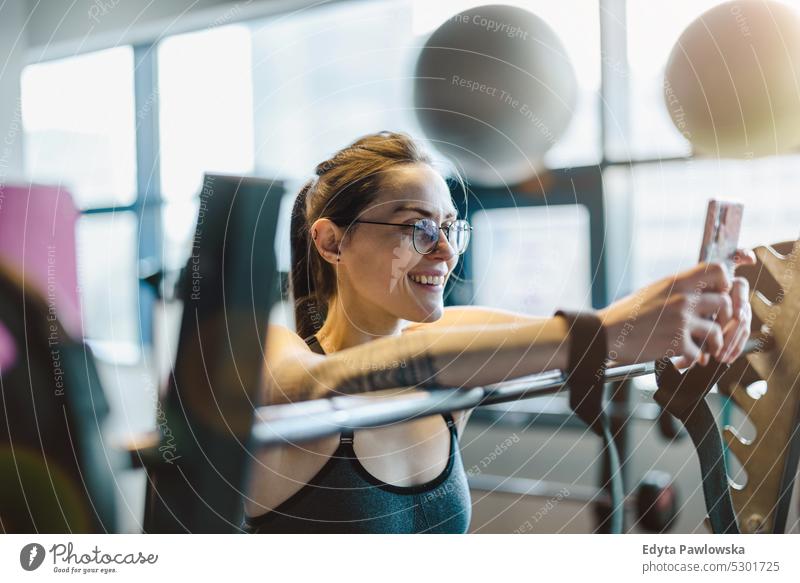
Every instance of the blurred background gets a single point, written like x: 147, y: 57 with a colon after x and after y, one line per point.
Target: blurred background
x: 128, y: 104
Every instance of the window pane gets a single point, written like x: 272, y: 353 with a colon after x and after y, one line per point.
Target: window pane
x: 206, y: 108
x: 669, y: 205
x: 651, y: 35
x: 108, y: 277
x: 325, y: 76
x: 78, y: 115
x: 533, y: 260
x: 180, y: 218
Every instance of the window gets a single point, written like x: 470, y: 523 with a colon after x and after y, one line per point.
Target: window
x: 668, y: 198
x: 670, y: 203
x: 205, y: 122
x: 548, y: 244
x: 78, y: 115
x: 326, y: 76
x: 651, y: 36
x: 108, y: 278
x: 80, y: 131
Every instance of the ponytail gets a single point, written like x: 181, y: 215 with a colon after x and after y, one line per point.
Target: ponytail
x: 307, y: 313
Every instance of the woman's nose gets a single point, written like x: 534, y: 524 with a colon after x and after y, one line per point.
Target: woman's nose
x: 443, y: 250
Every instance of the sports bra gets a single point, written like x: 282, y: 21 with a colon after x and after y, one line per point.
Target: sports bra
x: 343, y: 497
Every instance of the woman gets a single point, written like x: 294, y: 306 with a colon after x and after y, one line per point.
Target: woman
x: 374, y: 238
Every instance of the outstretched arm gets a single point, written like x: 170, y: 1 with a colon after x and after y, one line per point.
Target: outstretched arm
x: 463, y: 356
x: 470, y: 315
x: 669, y: 317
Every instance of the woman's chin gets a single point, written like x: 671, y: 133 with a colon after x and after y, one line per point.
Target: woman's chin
x: 429, y: 312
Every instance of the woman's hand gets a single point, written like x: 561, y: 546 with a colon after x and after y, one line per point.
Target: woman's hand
x: 736, y: 330
x: 692, y: 315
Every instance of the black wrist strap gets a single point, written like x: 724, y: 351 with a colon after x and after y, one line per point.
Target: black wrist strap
x: 586, y: 369
x: 586, y: 366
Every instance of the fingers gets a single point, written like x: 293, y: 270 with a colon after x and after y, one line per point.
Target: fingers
x: 740, y: 298
x: 708, y: 336
x: 715, y: 305
x: 706, y: 277
x: 735, y: 335
x: 691, y: 353
x: 715, y: 311
x: 744, y: 257
x: 737, y: 330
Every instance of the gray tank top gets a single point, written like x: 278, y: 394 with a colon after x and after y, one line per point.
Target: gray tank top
x: 343, y: 497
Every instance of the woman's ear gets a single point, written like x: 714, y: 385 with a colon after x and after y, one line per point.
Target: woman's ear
x: 327, y: 237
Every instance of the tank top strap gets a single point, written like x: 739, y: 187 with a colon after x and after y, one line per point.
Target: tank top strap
x: 314, y: 345
x: 346, y: 437
x: 448, y: 417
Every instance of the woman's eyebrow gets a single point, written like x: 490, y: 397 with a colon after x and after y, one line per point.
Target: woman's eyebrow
x: 423, y: 211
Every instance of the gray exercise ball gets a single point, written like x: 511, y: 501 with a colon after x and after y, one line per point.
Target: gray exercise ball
x: 494, y: 89
x: 732, y: 81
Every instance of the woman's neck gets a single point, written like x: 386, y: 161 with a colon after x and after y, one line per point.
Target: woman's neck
x: 349, y: 324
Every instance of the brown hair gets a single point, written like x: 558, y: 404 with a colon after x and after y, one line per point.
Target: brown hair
x: 345, y: 185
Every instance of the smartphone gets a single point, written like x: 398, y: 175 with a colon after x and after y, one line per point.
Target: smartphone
x: 721, y: 234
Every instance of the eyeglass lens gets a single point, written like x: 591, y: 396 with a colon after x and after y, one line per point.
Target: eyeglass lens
x: 426, y: 235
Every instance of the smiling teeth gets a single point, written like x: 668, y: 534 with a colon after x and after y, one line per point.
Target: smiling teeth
x: 428, y: 279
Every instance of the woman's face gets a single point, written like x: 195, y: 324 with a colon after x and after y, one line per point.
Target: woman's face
x: 379, y: 263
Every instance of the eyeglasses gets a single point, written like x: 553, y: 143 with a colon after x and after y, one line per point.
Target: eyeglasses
x: 426, y: 234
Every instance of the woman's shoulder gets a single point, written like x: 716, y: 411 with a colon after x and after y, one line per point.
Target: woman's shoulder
x: 471, y: 315
x: 284, y: 337
x: 284, y: 345
x: 286, y: 355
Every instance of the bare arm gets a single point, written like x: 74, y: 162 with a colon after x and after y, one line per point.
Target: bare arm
x: 462, y: 356
x: 670, y: 317
x: 469, y: 315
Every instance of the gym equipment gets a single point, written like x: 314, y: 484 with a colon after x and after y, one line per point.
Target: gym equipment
x: 730, y: 84
x: 588, y: 349
x: 771, y: 457
x: 656, y: 502
x: 228, y: 287
x: 197, y: 469
x: 683, y: 395
x: 58, y: 470
x: 494, y: 89
x: 297, y: 422
x: 307, y: 420
x: 37, y: 239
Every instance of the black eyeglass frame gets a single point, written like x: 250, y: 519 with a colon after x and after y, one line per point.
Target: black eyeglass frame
x: 446, y: 230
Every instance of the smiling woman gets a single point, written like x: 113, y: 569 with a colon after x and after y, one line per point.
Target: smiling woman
x: 374, y: 209
x: 375, y: 236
